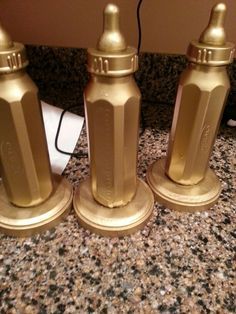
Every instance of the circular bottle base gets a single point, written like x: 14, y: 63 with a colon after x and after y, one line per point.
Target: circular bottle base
x: 117, y: 221
x: 175, y: 196
x: 26, y: 221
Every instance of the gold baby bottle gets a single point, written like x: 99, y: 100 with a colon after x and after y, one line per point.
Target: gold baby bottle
x: 113, y: 201
x: 31, y: 198
x: 184, y: 180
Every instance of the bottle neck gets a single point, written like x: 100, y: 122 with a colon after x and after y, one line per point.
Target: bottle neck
x: 206, y: 68
x: 111, y: 79
x: 12, y: 75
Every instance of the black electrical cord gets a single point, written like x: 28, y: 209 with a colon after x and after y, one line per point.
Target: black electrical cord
x: 83, y: 154
x: 143, y: 123
x: 80, y: 154
x: 139, y: 25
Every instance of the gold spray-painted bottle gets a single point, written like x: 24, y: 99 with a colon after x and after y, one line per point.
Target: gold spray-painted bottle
x: 31, y: 199
x: 114, y: 202
x: 184, y: 181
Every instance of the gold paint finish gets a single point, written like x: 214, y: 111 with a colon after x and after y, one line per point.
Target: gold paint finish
x: 214, y: 34
x: 112, y: 57
x: 180, y: 197
x: 200, y: 101
x: 112, y: 112
x: 212, y: 48
x: 25, y: 167
x: 113, y: 222
x: 12, y: 54
x: 111, y: 39
x: 5, y: 40
x: 112, y: 106
x: 24, y: 160
x: 201, y: 95
x: 26, y: 221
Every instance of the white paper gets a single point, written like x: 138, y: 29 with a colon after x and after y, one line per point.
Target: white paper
x: 69, y: 133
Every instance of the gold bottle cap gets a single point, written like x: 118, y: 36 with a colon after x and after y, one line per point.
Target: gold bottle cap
x: 212, y: 48
x: 112, y: 57
x: 12, y: 54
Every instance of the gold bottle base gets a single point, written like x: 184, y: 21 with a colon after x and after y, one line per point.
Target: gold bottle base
x: 175, y: 196
x: 26, y: 221
x: 117, y: 221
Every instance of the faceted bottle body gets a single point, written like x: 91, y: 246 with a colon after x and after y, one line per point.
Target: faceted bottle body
x: 112, y: 106
x: 199, y: 105
x: 24, y: 160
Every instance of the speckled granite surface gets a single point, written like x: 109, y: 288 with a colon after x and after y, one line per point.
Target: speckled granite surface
x: 179, y: 263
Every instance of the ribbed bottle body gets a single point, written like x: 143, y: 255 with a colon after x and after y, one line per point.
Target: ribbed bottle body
x: 24, y: 160
x: 200, y: 100
x: 112, y: 106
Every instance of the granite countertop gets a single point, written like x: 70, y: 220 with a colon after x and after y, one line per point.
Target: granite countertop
x: 179, y: 263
